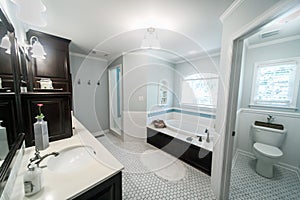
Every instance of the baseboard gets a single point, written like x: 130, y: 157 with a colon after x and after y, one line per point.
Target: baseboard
x: 100, y: 133
x: 280, y: 164
x: 234, y: 159
x: 245, y: 153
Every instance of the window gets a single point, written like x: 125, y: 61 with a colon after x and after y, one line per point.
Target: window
x: 276, y: 83
x: 200, y: 90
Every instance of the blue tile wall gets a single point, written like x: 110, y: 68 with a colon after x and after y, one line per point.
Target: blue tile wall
x: 210, y: 116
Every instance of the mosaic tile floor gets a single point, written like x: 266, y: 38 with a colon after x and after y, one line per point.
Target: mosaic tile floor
x: 140, y: 183
x: 246, y: 184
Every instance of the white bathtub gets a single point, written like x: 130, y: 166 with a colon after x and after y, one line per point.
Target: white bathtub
x: 184, y: 130
x: 188, y: 128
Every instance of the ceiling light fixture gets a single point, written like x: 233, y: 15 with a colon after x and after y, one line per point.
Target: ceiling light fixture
x: 31, y: 12
x: 5, y: 44
x: 37, y: 49
x: 151, y: 40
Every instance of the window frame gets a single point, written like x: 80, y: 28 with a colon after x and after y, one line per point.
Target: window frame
x: 294, y: 99
x: 191, y: 105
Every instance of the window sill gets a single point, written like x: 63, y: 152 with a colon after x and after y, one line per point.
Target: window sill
x: 274, y: 107
x: 195, y: 106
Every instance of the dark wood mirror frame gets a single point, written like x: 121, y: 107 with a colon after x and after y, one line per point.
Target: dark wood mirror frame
x: 15, y: 140
x: 9, y: 161
x: 16, y: 78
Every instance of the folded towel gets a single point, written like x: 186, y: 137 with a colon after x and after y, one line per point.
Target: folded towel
x: 159, y: 123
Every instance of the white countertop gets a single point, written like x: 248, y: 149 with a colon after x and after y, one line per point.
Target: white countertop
x: 66, y: 185
x: 181, y: 136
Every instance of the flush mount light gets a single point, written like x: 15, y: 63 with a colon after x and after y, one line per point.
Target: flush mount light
x: 5, y: 44
x: 151, y: 40
x: 31, y: 12
x: 37, y: 49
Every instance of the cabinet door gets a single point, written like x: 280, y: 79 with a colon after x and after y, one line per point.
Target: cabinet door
x: 56, y: 66
x: 57, y: 114
x: 8, y: 115
x: 111, y: 189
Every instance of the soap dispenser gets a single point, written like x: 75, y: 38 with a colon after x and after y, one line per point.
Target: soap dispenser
x: 32, y: 179
x: 3, y: 142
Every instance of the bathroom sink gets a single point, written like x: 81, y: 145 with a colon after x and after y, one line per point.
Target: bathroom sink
x: 269, y: 125
x: 71, y: 159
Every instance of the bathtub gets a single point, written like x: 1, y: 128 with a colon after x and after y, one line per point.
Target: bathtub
x: 188, y: 132
x: 187, y: 128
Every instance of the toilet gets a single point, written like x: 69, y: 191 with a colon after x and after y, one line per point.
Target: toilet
x: 266, y: 147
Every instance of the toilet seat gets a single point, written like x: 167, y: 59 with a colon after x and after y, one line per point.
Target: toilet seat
x: 268, y: 150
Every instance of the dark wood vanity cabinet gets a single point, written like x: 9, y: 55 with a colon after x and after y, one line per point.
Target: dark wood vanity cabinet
x: 57, y: 111
x: 197, y: 157
x: 110, y: 189
x: 56, y: 66
x: 57, y: 101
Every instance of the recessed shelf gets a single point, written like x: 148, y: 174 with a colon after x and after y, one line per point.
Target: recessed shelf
x: 47, y: 90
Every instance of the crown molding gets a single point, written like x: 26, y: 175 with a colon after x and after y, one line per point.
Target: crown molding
x: 200, y: 57
x: 87, y: 56
x: 230, y: 9
x: 272, y: 42
x: 151, y: 55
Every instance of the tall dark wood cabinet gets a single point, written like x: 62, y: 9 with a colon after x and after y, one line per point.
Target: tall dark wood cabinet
x: 56, y: 66
x: 57, y: 101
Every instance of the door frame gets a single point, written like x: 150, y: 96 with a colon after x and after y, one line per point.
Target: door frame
x: 233, y: 92
x: 109, y: 98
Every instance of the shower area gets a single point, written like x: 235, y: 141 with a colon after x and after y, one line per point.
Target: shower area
x: 115, y: 99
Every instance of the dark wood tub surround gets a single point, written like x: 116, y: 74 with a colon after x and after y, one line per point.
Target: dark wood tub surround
x: 197, y: 157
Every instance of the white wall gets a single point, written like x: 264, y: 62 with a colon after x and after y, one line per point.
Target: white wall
x: 159, y: 70
x: 290, y: 147
x: 20, y: 29
x: 277, y: 51
x: 90, y: 102
x: 135, y: 82
x: 246, y: 118
x: 141, y: 74
x: 243, y: 17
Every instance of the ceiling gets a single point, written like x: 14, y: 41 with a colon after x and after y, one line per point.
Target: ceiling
x: 285, y: 27
x: 111, y: 27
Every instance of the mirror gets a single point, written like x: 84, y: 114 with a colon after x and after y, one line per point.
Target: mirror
x: 11, y: 162
x: 6, y: 72
x: 9, y: 81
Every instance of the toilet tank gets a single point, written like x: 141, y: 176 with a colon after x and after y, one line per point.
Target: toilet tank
x: 263, y: 133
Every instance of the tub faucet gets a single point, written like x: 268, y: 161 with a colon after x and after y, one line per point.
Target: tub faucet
x: 207, y: 137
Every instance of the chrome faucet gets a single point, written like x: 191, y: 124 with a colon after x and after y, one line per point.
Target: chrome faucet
x: 207, y: 137
x: 37, y: 159
x: 270, y: 118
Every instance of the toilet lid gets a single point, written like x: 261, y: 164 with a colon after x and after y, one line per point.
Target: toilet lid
x: 267, y: 150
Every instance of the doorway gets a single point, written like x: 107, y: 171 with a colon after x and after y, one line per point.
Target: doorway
x: 267, y: 69
x: 115, y: 98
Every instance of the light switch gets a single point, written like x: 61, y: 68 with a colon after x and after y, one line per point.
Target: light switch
x: 141, y: 98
